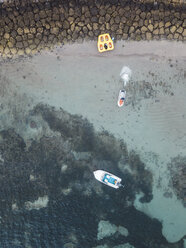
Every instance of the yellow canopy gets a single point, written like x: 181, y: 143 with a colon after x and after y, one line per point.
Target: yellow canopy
x: 105, y: 43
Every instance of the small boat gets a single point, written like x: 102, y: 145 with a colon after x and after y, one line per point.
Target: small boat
x: 108, y: 178
x: 121, y: 98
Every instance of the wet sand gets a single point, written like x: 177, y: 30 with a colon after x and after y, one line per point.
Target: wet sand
x: 81, y: 81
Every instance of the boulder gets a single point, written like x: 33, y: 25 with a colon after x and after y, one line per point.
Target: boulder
x: 143, y: 29
x: 119, y: 31
x: 6, y: 36
x: 1, y: 49
x: 19, y: 44
x: 143, y: 15
x: 102, y: 28
x: 170, y: 37
x: 102, y: 12
x: 77, y: 29
x: 173, y: 29
x: 27, y: 50
x: 20, y: 52
x: 148, y: 36
x: 156, y: 31
x: 54, y: 30
x: 111, y: 21
x: 117, y: 19
x: 150, y: 27
x: 66, y: 24
x: 26, y: 30
x: 20, y: 31
x: 6, y: 50
x: 146, y: 23
x: 36, y: 41
x: 89, y: 26
x: 25, y: 43
x: 123, y: 19
x: 161, y: 24
x: 176, y: 36
x: 32, y: 46
x: 101, y: 20
x: 121, y: 11
x: 71, y: 12
x: 85, y: 30
x: 55, y: 17
x: 81, y: 24
x: 10, y: 44
x: 184, y: 33
x: 107, y: 26
x: 167, y: 24
x: 114, y: 27
x: 162, y: 31
x: 126, y: 29
x: 13, y: 50
x: 33, y: 30
x: 72, y: 27
x: 95, y: 26
x: 131, y: 30
x: 125, y: 36
x: 90, y: 33
x: 180, y: 30
x: 94, y: 11
x: 138, y: 37
x: 42, y: 14
x: 94, y: 19
x: 138, y: 31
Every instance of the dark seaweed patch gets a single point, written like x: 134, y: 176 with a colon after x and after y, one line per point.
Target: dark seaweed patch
x: 71, y: 217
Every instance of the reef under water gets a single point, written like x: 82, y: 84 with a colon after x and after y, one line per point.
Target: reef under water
x: 49, y: 197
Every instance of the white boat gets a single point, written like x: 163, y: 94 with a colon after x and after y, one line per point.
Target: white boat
x: 108, y: 178
x: 121, y: 98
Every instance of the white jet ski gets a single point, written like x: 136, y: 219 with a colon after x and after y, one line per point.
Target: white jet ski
x: 108, y: 179
x: 121, y: 98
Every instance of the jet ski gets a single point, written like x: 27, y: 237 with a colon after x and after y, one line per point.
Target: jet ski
x: 108, y: 178
x: 121, y: 98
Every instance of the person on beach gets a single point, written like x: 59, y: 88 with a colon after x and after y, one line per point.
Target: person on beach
x: 105, y: 46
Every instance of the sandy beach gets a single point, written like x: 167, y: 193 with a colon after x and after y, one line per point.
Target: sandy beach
x: 81, y: 81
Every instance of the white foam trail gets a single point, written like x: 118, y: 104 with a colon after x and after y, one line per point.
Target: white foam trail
x: 125, y: 74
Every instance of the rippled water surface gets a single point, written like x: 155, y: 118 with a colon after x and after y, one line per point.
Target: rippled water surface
x: 48, y: 152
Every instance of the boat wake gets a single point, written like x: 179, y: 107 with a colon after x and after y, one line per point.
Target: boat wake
x: 125, y: 74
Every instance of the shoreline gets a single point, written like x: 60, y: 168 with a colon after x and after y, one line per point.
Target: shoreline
x: 27, y: 29
x: 83, y: 82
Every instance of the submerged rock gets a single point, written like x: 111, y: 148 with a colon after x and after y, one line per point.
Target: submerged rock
x: 106, y: 229
x: 127, y: 245
x: 41, y: 202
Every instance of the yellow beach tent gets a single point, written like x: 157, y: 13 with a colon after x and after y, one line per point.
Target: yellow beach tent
x: 105, y: 43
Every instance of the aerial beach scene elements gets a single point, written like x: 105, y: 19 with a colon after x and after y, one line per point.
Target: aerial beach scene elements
x: 92, y: 124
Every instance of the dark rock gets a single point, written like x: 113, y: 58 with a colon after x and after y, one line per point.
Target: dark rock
x: 102, y: 12
x: 101, y: 20
x: 94, y: 11
x: 66, y: 24
x: 117, y: 19
x: 94, y: 19
x: 114, y: 27
x: 19, y: 45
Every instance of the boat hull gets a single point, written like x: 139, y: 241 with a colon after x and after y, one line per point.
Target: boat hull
x: 107, y: 178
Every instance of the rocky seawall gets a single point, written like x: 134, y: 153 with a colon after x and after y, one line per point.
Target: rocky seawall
x: 28, y: 27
